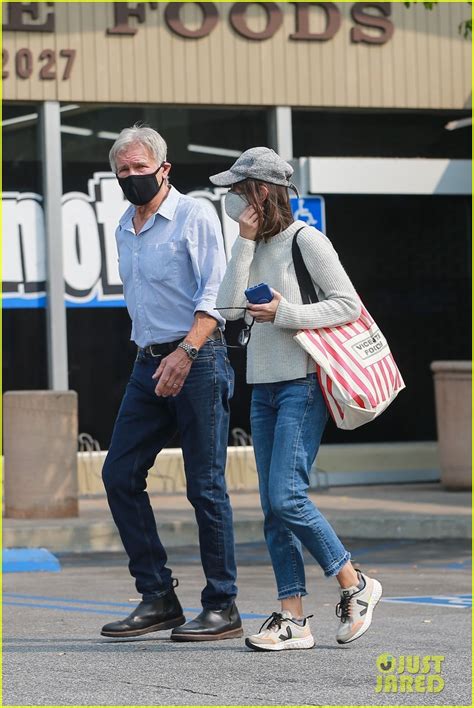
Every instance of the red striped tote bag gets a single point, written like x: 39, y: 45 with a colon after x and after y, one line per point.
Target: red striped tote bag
x: 356, y: 370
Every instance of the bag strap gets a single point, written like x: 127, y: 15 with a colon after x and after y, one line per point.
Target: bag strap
x: 307, y: 289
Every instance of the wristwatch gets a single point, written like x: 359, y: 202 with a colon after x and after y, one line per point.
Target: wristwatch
x: 191, y: 351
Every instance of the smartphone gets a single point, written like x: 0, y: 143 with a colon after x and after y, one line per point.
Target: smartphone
x: 259, y: 294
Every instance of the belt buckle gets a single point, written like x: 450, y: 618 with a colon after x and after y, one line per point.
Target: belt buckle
x: 150, y: 349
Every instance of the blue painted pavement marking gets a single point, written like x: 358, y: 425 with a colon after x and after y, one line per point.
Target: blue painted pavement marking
x: 21, y: 560
x: 63, y: 608
x: 454, y: 565
x: 47, y: 603
x: 464, y: 601
x: 66, y: 599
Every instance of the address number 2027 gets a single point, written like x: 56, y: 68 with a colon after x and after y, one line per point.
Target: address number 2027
x: 24, y: 63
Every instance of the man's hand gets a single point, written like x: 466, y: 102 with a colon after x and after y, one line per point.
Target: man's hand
x: 248, y: 223
x: 266, y: 312
x: 171, y: 373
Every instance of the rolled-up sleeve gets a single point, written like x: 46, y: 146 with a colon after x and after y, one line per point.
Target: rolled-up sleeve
x: 205, y: 245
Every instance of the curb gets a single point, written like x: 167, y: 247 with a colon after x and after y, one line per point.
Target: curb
x: 100, y: 536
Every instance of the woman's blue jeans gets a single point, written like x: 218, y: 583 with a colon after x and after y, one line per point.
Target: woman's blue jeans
x: 288, y: 419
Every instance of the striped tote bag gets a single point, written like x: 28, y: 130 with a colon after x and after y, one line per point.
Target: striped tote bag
x: 357, y: 373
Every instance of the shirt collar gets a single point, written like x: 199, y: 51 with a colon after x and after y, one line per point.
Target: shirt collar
x: 126, y: 219
x: 169, y: 205
x: 167, y: 209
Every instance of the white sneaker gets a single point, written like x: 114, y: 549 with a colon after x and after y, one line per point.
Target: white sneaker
x: 355, y: 609
x: 281, y: 632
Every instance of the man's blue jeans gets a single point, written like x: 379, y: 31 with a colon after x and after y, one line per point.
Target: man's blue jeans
x: 144, y: 425
x: 288, y: 419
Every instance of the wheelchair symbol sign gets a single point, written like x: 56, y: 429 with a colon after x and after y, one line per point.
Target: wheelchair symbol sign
x: 310, y: 209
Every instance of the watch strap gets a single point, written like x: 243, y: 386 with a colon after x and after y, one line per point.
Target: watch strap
x: 191, y: 351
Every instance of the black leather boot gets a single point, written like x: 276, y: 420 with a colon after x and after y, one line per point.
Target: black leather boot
x: 163, y: 613
x: 211, y: 625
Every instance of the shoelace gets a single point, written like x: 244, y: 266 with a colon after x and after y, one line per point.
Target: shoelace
x: 275, y: 620
x: 343, y: 608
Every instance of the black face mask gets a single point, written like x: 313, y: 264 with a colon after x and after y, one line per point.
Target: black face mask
x: 140, y: 189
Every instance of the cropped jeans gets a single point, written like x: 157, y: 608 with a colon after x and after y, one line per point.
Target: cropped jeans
x: 288, y: 419
x: 145, y: 423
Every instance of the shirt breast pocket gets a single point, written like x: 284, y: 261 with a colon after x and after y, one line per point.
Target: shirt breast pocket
x: 160, y: 261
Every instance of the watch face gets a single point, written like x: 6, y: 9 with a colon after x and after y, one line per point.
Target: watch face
x: 192, y: 352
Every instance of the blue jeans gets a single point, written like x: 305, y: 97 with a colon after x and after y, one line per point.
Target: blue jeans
x: 144, y: 425
x: 288, y: 419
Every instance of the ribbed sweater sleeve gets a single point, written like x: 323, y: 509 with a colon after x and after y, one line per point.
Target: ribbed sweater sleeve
x: 341, y: 305
x: 236, y: 279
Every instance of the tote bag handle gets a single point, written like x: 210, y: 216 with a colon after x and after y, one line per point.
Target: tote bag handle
x: 307, y: 289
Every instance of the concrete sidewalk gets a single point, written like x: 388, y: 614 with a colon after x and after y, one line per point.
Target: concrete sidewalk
x: 402, y: 511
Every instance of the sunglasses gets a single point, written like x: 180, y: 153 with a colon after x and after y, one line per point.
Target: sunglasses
x: 243, y: 337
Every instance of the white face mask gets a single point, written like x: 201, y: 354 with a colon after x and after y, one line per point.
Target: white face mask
x: 235, y: 205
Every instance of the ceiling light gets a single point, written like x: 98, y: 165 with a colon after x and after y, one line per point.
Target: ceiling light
x: 207, y: 150
x: 455, y: 124
x: 72, y: 130
x: 106, y: 135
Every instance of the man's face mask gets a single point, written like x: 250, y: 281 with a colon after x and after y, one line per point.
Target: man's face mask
x: 140, y: 189
x: 235, y: 205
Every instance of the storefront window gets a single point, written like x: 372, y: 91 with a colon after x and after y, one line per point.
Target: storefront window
x: 24, y: 328
x: 408, y: 255
x: 200, y: 141
x: 380, y: 133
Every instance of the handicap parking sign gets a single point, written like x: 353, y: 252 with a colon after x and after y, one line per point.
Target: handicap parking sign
x: 310, y: 209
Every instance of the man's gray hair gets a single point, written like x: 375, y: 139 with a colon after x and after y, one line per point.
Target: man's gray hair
x: 142, y: 134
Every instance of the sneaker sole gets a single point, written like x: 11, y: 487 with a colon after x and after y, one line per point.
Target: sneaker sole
x: 377, y: 594
x: 306, y: 643
x: 168, y: 624
x: 231, y: 634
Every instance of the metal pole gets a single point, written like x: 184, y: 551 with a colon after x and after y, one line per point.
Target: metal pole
x: 50, y: 129
x: 280, y: 135
x: 281, y: 131
x: 303, y: 175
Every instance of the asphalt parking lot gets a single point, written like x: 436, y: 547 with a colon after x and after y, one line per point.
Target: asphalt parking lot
x: 53, y: 653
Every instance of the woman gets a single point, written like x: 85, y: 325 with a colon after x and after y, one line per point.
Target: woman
x: 288, y: 412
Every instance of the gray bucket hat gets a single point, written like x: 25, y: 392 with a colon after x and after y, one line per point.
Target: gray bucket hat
x: 257, y: 163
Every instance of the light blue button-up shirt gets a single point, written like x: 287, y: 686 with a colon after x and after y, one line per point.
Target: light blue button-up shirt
x: 171, y: 269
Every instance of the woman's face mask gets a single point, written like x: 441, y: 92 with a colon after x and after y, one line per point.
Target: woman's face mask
x: 235, y: 205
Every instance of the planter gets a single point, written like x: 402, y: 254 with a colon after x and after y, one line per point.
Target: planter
x: 452, y: 381
x: 40, y: 444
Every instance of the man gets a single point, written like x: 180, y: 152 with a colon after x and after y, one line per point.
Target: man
x: 171, y: 262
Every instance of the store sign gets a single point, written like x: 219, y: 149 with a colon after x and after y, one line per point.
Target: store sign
x: 90, y: 260
x: 40, y: 17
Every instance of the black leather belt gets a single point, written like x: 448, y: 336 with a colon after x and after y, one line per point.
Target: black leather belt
x: 157, y: 350
x: 161, y: 349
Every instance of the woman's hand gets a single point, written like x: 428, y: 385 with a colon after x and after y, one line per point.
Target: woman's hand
x: 248, y: 223
x: 266, y: 312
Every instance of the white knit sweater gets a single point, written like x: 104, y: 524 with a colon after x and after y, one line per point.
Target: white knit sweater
x: 272, y: 354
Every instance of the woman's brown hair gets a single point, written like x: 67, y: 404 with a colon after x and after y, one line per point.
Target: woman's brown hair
x: 275, y: 214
